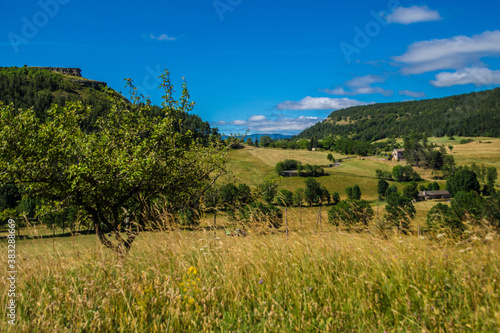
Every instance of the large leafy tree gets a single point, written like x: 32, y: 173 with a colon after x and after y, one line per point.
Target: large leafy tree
x: 313, y: 191
x: 353, y: 193
x: 382, y: 187
x: 464, y: 180
x: 131, y: 156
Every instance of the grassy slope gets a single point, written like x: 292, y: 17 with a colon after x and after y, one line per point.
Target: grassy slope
x: 327, y: 282
x: 251, y: 165
x: 186, y: 282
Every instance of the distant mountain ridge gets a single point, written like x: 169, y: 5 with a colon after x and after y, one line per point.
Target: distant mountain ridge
x: 473, y: 114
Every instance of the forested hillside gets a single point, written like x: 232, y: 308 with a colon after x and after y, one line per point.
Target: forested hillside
x: 474, y: 114
x: 40, y: 88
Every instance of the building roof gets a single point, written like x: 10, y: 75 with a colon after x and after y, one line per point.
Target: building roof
x: 399, y: 150
x: 439, y: 192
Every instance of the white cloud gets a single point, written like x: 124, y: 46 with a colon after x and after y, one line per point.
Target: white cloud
x: 413, y: 14
x: 319, y: 103
x: 451, y: 53
x: 361, y: 86
x: 262, y: 124
x: 364, y: 81
x: 475, y: 75
x: 163, y: 37
x: 257, y: 118
x: 414, y: 94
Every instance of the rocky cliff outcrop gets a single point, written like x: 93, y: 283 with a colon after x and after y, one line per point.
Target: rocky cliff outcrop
x: 78, y: 73
x: 65, y: 70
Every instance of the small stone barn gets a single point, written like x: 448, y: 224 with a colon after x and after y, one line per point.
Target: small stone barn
x: 431, y: 195
x: 397, y: 154
x: 290, y: 173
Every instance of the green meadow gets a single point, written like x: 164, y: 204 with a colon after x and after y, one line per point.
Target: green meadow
x: 315, y: 278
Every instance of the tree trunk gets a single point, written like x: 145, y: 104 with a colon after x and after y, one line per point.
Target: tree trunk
x: 122, y: 246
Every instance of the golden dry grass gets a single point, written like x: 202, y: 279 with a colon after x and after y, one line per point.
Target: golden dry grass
x: 189, y: 282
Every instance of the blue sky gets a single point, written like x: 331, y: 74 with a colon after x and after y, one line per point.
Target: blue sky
x: 266, y: 66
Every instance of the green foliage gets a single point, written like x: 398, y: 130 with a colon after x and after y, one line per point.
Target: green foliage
x: 382, y: 188
x: 40, y: 88
x: 466, y: 208
x: 313, y: 143
x: 335, y: 198
x: 129, y: 158
x: 188, y: 216
x: 488, y: 189
x: 228, y: 195
x: 353, y: 193
x: 244, y: 194
x: 10, y: 196
x: 433, y: 186
x: 464, y: 180
x: 491, y: 174
x: 299, y: 196
x: 285, y: 166
x: 330, y: 157
x: 467, y: 204
x: 265, y: 141
x: 391, y: 189
x: 441, y: 218
x: 348, y: 146
x: 311, y: 171
x: 211, y: 199
x: 325, y: 195
x: 387, y: 175
x: 313, y: 192
x: 404, y: 173
x: 285, y: 198
x: 328, y: 143
x: 399, y: 211
x: 268, y: 190
x: 259, y: 213
x: 411, y: 191
x: 250, y: 142
x: 491, y: 210
x: 474, y: 114
x: 349, y: 213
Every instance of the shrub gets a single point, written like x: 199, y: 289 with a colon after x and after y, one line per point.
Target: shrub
x: 382, y: 188
x: 441, y: 217
x: 259, y: 213
x: 285, y: 198
x: 349, y: 213
x: 286, y: 165
x: 353, y: 193
x: 405, y: 174
x: 399, y: 211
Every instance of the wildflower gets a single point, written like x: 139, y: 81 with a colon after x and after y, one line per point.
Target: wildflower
x: 261, y: 281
